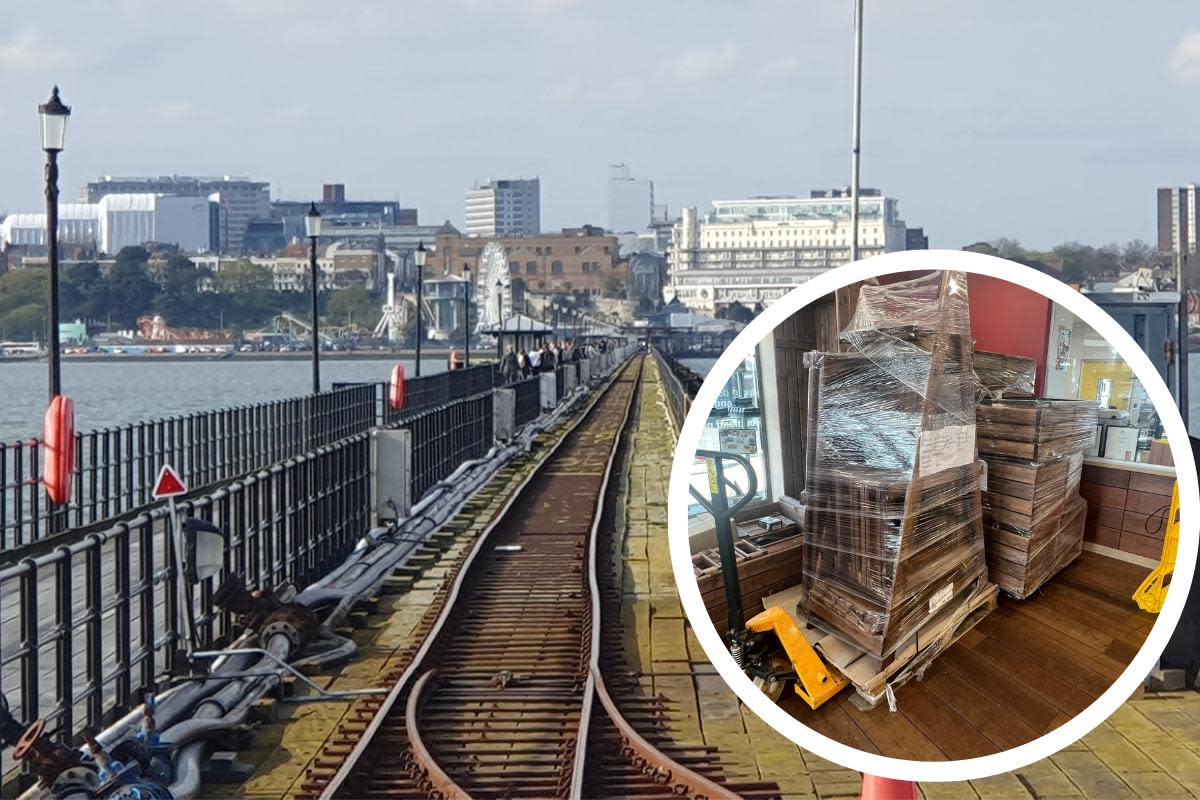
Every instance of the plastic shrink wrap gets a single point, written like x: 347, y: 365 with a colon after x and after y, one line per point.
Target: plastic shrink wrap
x: 893, y: 509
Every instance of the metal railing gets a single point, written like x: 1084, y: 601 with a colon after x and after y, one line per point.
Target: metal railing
x: 91, y: 625
x: 528, y: 400
x: 115, y: 468
x: 680, y: 384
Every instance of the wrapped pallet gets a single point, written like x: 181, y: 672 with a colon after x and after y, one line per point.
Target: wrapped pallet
x: 1003, y: 375
x: 1033, y: 514
x: 893, y: 521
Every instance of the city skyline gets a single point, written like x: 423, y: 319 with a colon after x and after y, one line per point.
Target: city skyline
x: 1048, y: 108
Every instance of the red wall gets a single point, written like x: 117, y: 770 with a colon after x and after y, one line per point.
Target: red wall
x: 1007, y: 318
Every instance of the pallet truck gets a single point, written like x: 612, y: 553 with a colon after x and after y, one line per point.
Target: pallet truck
x: 756, y: 645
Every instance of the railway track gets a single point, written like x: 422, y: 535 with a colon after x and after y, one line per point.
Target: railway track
x: 519, y: 688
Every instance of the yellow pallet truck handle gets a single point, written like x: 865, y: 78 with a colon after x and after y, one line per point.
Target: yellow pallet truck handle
x: 815, y: 682
x: 1153, y: 591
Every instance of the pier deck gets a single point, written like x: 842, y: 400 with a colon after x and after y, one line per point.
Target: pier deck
x: 1149, y: 748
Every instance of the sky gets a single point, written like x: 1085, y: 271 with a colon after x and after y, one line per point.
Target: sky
x: 1043, y: 122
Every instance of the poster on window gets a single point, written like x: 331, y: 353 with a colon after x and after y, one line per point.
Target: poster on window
x: 743, y: 441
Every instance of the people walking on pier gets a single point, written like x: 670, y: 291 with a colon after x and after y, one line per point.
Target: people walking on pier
x: 534, y: 360
x: 509, y: 369
x: 523, y: 363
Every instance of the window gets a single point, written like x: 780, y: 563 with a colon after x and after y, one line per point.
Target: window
x: 514, y: 268
x: 531, y: 268
x: 556, y: 267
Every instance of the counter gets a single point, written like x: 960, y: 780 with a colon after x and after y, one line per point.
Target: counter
x: 1127, y: 508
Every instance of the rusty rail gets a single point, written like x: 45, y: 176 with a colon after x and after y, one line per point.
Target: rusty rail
x: 501, y: 697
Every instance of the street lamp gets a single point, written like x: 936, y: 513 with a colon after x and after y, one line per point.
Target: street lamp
x: 312, y: 227
x: 419, y: 258
x: 54, y: 133
x: 467, y: 312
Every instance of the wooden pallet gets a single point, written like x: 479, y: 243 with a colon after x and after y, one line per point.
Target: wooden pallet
x: 873, y: 678
x: 1035, y: 430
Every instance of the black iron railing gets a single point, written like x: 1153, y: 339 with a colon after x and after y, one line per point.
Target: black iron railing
x: 115, y: 468
x: 680, y: 385
x: 528, y: 400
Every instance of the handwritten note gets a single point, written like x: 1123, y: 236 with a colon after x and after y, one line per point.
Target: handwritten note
x: 952, y: 446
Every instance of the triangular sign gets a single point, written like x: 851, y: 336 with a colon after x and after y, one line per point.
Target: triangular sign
x: 169, y: 484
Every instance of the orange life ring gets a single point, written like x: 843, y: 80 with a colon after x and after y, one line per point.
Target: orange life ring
x: 456, y: 361
x: 396, y: 388
x: 58, y: 465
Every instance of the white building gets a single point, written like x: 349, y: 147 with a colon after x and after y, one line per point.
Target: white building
x: 756, y: 250
x: 239, y: 201
x: 78, y: 224
x: 630, y: 201
x: 129, y: 220
x: 504, y: 208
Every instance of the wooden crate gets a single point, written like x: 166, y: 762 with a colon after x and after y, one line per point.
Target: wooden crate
x: 1003, y: 375
x: 1035, y: 430
x: 762, y: 570
x: 1020, y: 566
x: 893, y: 521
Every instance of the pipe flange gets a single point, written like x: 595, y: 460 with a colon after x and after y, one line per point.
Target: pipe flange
x: 282, y: 628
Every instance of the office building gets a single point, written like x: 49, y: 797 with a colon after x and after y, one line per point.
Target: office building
x: 237, y: 201
x: 630, y: 201
x: 756, y: 250
x: 504, y: 208
x: 1177, y: 219
x: 580, y: 260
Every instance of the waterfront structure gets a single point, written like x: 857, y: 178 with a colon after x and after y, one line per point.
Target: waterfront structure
x: 756, y: 250
x: 1177, y: 219
x: 235, y: 201
x: 630, y: 201
x: 504, y: 207
x: 583, y: 260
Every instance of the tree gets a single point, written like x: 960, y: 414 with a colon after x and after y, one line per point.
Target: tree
x: 352, y: 304
x: 23, y: 301
x: 84, y: 291
x: 131, y: 290
x: 178, y: 298
x: 245, y: 278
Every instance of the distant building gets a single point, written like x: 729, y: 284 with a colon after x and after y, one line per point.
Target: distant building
x: 78, y: 224
x: 237, y: 201
x: 339, y: 216
x: 580, y: 260
x: 117, y: 221
x: 1177, y: 219
x: 915, y: 239
x: 756, y: 250
x: 504, y: 207
x: 630, y: 201
x: 338, y: 266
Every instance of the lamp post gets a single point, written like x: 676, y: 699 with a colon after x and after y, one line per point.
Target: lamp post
x: 499, y: 320
x: 312, y: 227
x: 467, y: 314
x: 54, y: 133
x: 419, y: 259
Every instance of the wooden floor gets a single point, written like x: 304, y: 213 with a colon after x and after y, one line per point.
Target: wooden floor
x: 1025, y: 669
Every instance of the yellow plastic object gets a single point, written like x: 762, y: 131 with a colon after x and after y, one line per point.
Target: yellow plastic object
x: 816, y: 682
x: 1153, y: 591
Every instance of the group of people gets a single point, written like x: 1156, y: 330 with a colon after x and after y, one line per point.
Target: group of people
x: 517, y: 364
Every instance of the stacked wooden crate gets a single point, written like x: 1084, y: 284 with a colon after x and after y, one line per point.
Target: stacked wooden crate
x: 893, y: 525
x: 1003, y: 375
x: 1033, y: 514
x: 762, y: 570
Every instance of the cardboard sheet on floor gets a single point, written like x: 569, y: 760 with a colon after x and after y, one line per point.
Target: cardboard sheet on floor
x: 868, y: 674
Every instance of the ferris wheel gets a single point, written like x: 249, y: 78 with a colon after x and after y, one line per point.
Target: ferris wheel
x: 493, y: 288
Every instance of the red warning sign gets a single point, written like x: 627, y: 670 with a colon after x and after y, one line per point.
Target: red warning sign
x: 169, y: 484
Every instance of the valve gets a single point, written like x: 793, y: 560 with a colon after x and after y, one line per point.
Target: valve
x: 264, y: 613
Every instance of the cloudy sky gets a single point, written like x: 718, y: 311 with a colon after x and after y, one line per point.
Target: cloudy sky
x: 1040, y: 121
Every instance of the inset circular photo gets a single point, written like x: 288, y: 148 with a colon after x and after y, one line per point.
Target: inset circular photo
x: 925, y: 512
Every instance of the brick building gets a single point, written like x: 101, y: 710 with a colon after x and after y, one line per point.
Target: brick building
x: 580, y: 260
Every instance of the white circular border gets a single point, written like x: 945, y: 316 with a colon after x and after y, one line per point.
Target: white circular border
x: 780, y: 720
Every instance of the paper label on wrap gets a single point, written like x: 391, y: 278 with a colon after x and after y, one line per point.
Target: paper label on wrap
x: 952, y: 446
x: 982, y: 475
x: 941, y: 598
